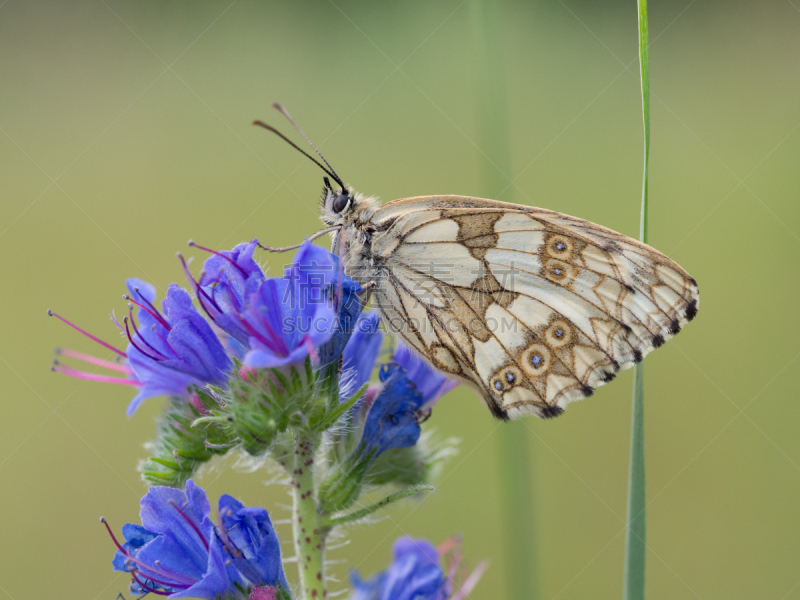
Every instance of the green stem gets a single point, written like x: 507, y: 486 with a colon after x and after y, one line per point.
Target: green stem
x: 309, y: 533
x: 635, y: 540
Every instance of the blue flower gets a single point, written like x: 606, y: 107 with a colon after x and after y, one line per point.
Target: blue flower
x: 135, y: 536
x: 428, y: 381
x: 289, y: 318
x: 251, y: 532
x: 222, y: 286
x: 392, y: 420
x: 178, y: 551
x: 414, y: 574
x: 409, y: 387
x: 360, y: 354
x: 344, y: 297
x: 169, y: 353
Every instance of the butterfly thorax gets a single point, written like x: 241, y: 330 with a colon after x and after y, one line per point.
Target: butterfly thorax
x: 353, y: 213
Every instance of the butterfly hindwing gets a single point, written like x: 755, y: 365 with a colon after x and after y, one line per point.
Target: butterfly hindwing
x: 531, y: 307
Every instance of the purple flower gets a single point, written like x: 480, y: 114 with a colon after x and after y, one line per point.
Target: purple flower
x: 393, y: 419
x: 179, y: 552
x: 344, y: 297
x: 409, y: 387
x: 360, y: 354
x: 415, y: 574
x: 168, y: 353
x: 222, y: 285
x: 428, y: 381
x: 251, y: 532
x: 287, y: 319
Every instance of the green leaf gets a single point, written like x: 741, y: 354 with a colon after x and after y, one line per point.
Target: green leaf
x: 364, y: 512
x: 334, y: 415
x: 635, y: 539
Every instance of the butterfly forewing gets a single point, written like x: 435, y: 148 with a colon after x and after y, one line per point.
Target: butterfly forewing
x: 532, y: 307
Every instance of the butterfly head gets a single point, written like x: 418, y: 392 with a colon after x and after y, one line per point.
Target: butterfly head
x: 339, y: 206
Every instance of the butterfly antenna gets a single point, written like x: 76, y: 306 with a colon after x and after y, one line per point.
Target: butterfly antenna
x: 286, y: 114
x: 299, y: 149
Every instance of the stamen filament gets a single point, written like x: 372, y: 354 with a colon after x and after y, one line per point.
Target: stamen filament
x: 156, y: 315
x: 471, y: 581
x: 88, y: 358
x: 220, y: 254
x: 87, y: 334
x: 147, y: 588
x: 152, y: 306
x: 195, y: 527
x: 135, y: 560
x: 199, y: 291
x: 136, y: 331
x: 128, y: 332
x: 161, y: 581
x: 65, y: 370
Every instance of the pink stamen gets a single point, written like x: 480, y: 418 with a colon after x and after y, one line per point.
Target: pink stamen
x: 139, y: 335
x: 113, y: 537
x: 128, y: 332
x: 187, y: 580
x: 202, y: 295
x: 161, y: 581
x: 65, y: 370
x: 175, y: 575
x: 87, y: 334
x: 147, y: 588
x: 471, y: 581
x: 88, y: 358
x: 198, y: 290
x: 153, y: 312
x: 151, y: 305
x: 220, y: 254
x: 195, y: 527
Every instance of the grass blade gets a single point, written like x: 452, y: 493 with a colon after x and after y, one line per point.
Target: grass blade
x: 635, y: 545
x: 493, y: 127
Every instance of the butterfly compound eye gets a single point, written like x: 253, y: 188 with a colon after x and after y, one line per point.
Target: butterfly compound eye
x: 340, y: 203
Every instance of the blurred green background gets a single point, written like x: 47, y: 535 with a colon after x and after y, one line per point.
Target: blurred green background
x: 126, y: 131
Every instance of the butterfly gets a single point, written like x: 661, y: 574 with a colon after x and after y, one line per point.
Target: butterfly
x: 530, y: 307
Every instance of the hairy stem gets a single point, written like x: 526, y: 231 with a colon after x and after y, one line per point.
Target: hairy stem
x: 309, y: 533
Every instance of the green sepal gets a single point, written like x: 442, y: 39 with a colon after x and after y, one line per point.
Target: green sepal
x: 336, y: 412
x: 343, y: 483
x: 415, y: 465
x: 267, y: 402
x: 181, y: 446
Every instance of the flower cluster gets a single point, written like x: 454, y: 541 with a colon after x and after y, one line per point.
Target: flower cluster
x: 263, y: 322
x: 178, y: 551
x: 415, y: 574
x: 280, y: 367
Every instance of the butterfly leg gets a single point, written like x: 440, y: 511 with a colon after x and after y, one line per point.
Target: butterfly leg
x: 365, y: 295
x: 295, y: 246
